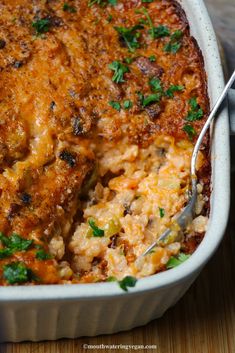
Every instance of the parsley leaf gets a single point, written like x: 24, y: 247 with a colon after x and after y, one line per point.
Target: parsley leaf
x: 161, y: 31
x: 173, y: 88
x: 161, y: 212
x: 68, y: 8
x: 176, y: 261
x: 148, y: 1
x: 174, y: 44
x: 97, y: 232
x: 15, y: 242
x: 126, y: 282
x: 17, y: 272
x: 42, y: 25
x: 42, y: 255
x: 102, y: 3
x: 115, y: 105
x: 127, y: 104
x: 195, y: 113
x: 119, y: 71
x: 189, y: 129
x: 152, y: 58
x: 152, y: 98
x: 155, y: 85
x: 130, y: 36
x: 144, y: 11
x: 5, y: 253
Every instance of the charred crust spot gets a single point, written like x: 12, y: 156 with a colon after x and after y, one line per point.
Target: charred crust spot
x: 52, y: 105
x: 13, y: 211
x: 113, y: 243
x: 77, y: 126
x: 26, y: 198
x: 68, y: 157
x: 2, y: 43
x: 17, y: 64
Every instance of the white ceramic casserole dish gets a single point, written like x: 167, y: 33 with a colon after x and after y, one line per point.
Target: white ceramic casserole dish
x: 50, y: 312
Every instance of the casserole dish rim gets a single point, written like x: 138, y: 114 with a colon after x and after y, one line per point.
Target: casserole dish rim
x: 220, y: 196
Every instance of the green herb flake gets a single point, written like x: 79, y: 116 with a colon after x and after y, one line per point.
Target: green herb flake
x: 189, y: 129
x: 42, y: 255
x: 172, y: 89
x: 177, y: 260
x: 129, y: 60
x: 130, y: 36
x: 126, y: 282
x: 195, y: 113
x: 109, y: 18
x: 155, y: 85
x: 97, y: 232
x: 161, y: 32
x: 119, y: 71
x: 15, y: 242
x: 161, y: 212
x: 41, y: 26
x: 69, y: 8
x: 175, y: 42
x: 152, y: 58
x: 5, y: 253
x: 17, y: 272
x: 127, y: 104
x: 115, y: 105
x: 152, y: 98
x: 144, y: 11
x: 147, y: 1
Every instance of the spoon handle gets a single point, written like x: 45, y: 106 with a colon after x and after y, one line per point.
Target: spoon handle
x: 208, y: 122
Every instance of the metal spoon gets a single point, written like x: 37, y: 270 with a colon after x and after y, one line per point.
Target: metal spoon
x: 186, y: 215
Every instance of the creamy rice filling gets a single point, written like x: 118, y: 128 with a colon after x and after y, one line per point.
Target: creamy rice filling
x: 135, y: 198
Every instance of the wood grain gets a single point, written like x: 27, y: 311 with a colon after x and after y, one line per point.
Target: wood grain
x: 204, y: 320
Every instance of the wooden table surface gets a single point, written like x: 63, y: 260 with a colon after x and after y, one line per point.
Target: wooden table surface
x: 204, y: 319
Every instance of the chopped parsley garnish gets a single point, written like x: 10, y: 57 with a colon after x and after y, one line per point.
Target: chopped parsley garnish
x: 42, y: 255
x: 172, y: 89
x: 144, y: 11
x: 69, y: 8
x: 5, y: 253
x: 148, y: 1
x: 15, y: 243
x: 189, y: 129
x: 155, y: 85
x: 129, y: 60
x: 152, y: 58
x: 41, y: 26
x: 127, y: 104
x: 97, y: 232
x: 195, y: 113
x: 175, y: 42
x: 126, y: 282
x: 161, y: 31
x: 17, y: 272
x: 161, y: 212
x: 115, y: 105
x: 177, y: 260
x: 119, y: 71
x: 109, y: 18
x: 152, y: 98
x: 130, y: 36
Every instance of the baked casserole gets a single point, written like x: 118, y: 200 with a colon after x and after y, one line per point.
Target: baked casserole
x: 101, y: 103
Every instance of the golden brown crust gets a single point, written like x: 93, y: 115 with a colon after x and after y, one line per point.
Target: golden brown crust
x: 55, y: 94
